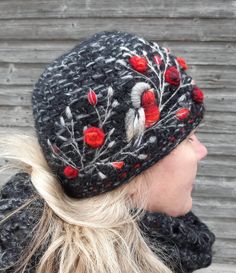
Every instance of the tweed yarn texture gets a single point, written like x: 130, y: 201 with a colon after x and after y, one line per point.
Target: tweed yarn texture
x: 110, y: 108
x: 186, y: 240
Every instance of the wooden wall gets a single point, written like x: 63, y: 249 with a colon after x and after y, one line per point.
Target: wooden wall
x: 33, y: 33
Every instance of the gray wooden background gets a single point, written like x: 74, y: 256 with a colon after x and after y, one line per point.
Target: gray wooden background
x: 33, y: 33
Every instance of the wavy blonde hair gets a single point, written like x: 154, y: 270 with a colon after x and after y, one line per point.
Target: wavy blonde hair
x: 91, y: 235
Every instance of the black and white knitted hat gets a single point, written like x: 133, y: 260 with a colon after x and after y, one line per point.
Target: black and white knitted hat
x: 110, y: 108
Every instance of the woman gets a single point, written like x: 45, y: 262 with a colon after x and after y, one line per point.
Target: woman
x: 110, y: 170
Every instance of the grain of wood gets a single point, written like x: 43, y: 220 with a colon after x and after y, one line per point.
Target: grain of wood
x: 22, y: 116
x: 195, y: 53
x: 215, y: 99
x: 205, y: 76
x: 218, y: 268
x: 112, y: 8
x: 181, y: 29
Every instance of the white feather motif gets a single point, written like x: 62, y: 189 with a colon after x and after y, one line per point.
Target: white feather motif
x: 137, y: 91
x: 134, y: 123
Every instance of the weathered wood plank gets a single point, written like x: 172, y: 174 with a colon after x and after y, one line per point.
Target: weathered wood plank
x: 180, y: 29
x: 212, y: 123
x: 207, y: 138
x: 33, y: 51
x: 217, y: 166
x: 218, y: 144
x: 219, y: 77
x: 221, y: 166
x: 205, y: 186
x: 19, y: 74
x: 112, y: 8
x: 220, y: 100
x: 16, y: 116
x: 224, y: 251
x: 214, y: 207
x: 15, y: 129
x: 218, y: 268
x: 195, y: 53
x: 223, y: 228
x: 15, y: 95
x: 214, y: 187
x: 215, y: 100
x: 204, y: 53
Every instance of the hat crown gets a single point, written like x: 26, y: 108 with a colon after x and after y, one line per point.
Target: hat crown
x: 106, y: 110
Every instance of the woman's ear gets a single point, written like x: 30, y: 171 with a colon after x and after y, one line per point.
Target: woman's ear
x: 136, y: 188
x: 132, y: 187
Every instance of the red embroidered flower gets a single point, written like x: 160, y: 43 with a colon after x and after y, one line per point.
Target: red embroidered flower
x: 152, y: 115
x: 136, y: 165
x: 118, y: 165
x: 172, y: 138
x: 151, y: 110
x: 182, y: 113
x: 92, y: 97
x: 172, y: 76
x: 70, y: 172
x: 197, y: 95
x: 191, y: 121
x: 94, y: 137
x: 139, y: 63
x: 148, y: 98
x: 157, y: 59
x: 123, y: 175
x: 182, y: 63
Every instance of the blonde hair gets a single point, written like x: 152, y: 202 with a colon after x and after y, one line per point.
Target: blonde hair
x: 91, y: 235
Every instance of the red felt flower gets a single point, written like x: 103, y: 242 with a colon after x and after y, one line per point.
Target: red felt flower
x: 148, y: 98
x: 118, y: 165
x: 157, y: 59
x: 139, y: 63
x: 182, y: 130
x: 172, y: 138
x: 123, y: 175
x: 152, y: 115
x: 191, y: 121
x: 172, y: 76
x: 94, y: 137
x: 182, y: 63
x: 182, y: 113
x: 197, y: 95
x: 92, y: 97
x: 70, y: 172
x: 136, y: 165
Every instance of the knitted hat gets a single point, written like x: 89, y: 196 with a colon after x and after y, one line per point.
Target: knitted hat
x: 110, y: 108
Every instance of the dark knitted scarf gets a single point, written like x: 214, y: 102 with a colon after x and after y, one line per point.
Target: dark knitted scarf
x: 185, y: 239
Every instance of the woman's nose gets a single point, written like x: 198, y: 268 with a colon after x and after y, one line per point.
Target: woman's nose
x: 202, y: 151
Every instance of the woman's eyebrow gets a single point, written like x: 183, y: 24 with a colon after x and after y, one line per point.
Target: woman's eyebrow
x: 193, y: 131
